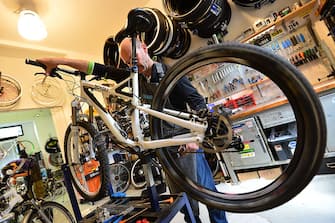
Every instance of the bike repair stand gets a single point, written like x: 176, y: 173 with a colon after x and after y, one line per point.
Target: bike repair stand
x: 178, y: 204
x: 161, y: 211
x: 71, y: 193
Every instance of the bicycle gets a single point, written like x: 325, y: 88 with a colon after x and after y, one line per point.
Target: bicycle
x: 210, y: 129
x: 18, y: 202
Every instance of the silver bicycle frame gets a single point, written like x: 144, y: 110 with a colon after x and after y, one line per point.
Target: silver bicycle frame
x: 196, y: 130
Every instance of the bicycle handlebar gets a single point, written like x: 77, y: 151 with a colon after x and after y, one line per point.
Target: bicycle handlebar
x: 54, y: 71
x: 36, y: 63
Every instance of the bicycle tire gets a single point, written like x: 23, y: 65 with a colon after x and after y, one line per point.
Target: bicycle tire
x: 51, y: 209
x: 97, y: 188
x: 120, y: 177
x: 311, y: 127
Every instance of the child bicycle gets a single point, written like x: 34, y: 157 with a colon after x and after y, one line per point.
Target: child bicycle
x: 210, y: 129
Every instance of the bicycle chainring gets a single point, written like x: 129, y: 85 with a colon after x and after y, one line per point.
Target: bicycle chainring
x: 219, y: 134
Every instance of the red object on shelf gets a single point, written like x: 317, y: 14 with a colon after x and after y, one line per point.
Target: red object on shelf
x: 230, y: 103
x: 240, y: 100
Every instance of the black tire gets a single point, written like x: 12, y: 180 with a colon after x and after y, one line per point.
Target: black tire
x: 89, y: 139
x: 311, y: 127
x: 120, y: 177
x: 55, y: 213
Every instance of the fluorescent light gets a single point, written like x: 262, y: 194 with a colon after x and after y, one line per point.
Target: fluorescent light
x: 30, y: 26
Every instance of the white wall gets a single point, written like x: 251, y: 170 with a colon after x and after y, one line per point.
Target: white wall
x: 12, y: 56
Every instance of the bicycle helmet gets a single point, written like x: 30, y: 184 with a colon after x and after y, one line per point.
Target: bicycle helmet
x: 55, y: 155
x: 51, y: 146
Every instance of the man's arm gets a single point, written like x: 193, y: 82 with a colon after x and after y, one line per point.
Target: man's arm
x: 185, y: 92
x: 86, y: 67
x: 51, y: 63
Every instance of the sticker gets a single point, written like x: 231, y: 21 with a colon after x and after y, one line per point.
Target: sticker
x: 249, y: 124
x: 248, y: 155
x: 278, y: 148
x: 239, y: 130
x: 216, y: 9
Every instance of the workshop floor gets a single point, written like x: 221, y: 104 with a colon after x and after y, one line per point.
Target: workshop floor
x: 314, y: 204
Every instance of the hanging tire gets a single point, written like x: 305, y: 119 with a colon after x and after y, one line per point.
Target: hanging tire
x: 89, y: 167
x: 204, y: 18
x: 283, y: 78
x: 252, y: 3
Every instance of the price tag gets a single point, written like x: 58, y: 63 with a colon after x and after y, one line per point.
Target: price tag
x: 295, y: 23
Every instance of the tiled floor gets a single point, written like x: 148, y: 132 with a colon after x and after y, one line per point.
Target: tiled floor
x: 314, y: 204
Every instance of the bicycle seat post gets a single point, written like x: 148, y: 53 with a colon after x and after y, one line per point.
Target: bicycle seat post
x: 134, y: 67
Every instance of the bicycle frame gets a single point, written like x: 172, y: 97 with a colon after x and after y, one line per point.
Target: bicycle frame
x: 175, y: 117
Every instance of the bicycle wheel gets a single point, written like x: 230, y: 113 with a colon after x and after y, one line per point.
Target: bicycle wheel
x: 55, y: 212
x: 10, y: 91
x: 137, y: 174
x: 47, y: 91
x: 283, y: 84
x: 120, y: 177
x: 88, y: 166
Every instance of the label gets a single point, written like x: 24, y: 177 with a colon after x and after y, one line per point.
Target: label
x: 215, y: 9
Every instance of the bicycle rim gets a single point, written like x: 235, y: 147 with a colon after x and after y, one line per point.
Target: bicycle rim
x: 88, y: 167
x: 120, y: 177
x: 137, y: 175
x: 10, y: 91
x: 55, y: 213
x: 293, y: 90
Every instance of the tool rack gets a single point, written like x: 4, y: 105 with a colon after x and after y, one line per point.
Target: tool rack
x: 154, y: 208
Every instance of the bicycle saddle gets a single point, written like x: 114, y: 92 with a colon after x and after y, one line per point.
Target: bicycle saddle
x: 139, y: 21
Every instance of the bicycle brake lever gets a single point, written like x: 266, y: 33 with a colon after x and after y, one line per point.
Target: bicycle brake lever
x: 54, y: 73
x: 39, y: 73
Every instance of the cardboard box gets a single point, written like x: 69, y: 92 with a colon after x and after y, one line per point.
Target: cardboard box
x: 247, y: 175
x: 270, y: 174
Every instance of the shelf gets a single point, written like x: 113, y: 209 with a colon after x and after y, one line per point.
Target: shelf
x: 302, y: 10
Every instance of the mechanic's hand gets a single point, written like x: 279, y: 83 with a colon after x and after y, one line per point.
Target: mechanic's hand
x: 187, y: 148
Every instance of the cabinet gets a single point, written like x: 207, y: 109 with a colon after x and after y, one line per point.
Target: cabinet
x: 270, y: 138
x: 328, y: 103
x: 255, y: 153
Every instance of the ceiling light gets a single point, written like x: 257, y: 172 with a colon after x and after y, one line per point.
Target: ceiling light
x: 30, y: 26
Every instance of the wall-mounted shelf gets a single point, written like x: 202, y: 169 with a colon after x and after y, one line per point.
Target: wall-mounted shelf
x: 302, y: 10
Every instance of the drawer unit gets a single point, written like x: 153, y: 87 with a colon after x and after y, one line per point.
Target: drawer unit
x: 277, y: 116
